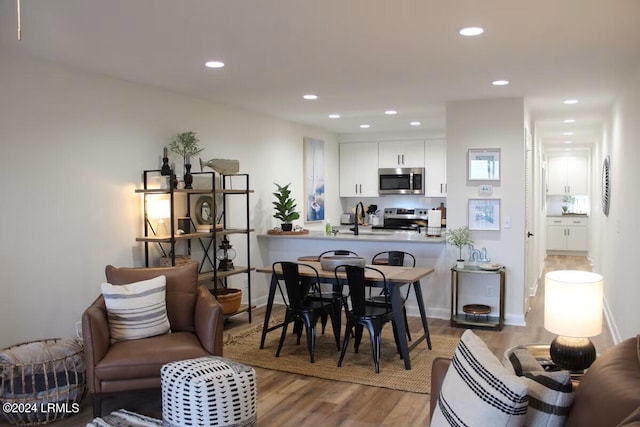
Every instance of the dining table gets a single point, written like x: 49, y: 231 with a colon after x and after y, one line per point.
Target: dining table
x: 397, y: 277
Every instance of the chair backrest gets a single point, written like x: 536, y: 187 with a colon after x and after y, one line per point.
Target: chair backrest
x: 395, y: 258
x: 181, y: 289
x: 355, y: 278
x: 297, y: 286
x: 337, y: 252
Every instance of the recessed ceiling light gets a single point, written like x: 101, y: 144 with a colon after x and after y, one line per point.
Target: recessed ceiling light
x: 568, y: 142
x: 364, y: 126
x: 415, y: 123
x: 214, y: 64
x: 567, y: 133
x: 310, y: 96
x: 471, y: 31
x: 334, y: 116
x: 570, y: 101
x: 569, y: 120
x: 500, y: 82
x: 391, y: 112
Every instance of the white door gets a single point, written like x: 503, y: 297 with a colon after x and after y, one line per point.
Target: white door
x: 530, y: 265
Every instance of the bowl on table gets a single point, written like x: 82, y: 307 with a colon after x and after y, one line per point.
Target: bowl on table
x: 330, y: 263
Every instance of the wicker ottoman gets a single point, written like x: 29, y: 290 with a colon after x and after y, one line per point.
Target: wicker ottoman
x: 208, y: 391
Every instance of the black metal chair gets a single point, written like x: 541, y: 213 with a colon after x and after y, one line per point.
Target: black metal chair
x: 334, y: 295
x: 299, y: 306
x: 393, y: 258
x: 361, y: 314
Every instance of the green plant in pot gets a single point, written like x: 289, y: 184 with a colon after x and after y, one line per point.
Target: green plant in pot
x: 185, y: 144
x: 285, y: 207
x: 459, y: 237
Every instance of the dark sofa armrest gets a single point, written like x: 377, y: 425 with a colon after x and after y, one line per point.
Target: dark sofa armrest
x: 209, y: 321
x: 439, y: 369
x: 95, y: 336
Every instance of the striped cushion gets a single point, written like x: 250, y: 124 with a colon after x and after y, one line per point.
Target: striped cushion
x: 478, y: 391
x: 550, y: 398
x: 137, y: 310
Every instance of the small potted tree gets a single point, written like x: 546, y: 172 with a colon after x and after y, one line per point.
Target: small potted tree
x: 285, y: 207
x: 185, y: 144
x: 459, y: 237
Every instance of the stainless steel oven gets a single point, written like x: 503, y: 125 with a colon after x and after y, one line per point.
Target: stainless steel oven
x: 401, y: 181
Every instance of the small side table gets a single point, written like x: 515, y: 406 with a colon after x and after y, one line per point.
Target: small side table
x: 462, y: 319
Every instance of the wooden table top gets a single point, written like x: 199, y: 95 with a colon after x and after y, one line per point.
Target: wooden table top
x: 393, y: 274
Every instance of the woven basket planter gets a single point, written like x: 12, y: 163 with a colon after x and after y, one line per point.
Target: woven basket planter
x: 229, y: 299
x: 41, y: 381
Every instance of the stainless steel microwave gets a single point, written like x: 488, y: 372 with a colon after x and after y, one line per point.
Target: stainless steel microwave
x: 401, y: 181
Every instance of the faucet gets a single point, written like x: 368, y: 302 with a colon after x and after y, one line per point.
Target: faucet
x: 358, y: 215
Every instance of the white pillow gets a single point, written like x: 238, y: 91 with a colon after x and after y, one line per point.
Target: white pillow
x: 478, y: 391
x: 137, y: 310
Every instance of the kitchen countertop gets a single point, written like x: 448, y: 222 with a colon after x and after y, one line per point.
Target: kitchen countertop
x: 568, y: 214
x: 366, y: 234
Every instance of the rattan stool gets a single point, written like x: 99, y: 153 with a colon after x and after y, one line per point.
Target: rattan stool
x: 208, y: 391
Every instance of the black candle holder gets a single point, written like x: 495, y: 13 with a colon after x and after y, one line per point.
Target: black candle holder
x: 166, y: 169
x: 188, y: 178
x: 173, y: 181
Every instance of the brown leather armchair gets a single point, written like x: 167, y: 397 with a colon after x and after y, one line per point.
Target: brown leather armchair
x: 196, y: 321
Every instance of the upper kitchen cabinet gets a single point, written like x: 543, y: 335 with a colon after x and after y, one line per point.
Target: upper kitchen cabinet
x: 401, y: 154
x: 435, y: 163
x: 359, y: 169
x: 568, y: 172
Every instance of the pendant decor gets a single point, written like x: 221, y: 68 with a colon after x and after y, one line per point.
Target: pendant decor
x: 606, y: 186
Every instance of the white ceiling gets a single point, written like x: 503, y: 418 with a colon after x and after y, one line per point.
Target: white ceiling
x: 360, y: 56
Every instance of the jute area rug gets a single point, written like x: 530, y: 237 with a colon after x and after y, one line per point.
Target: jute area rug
x: 356, y: 368
x: 124, y: 418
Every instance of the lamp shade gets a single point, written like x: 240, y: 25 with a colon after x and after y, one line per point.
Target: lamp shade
x: 573, y: 303
x: 158, y: 208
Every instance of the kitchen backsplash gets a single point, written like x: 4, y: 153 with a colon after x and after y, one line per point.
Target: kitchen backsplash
x: 348, y: 203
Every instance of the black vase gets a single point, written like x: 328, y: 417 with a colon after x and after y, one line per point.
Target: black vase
x: 188, y: 178
x: 287, y: 226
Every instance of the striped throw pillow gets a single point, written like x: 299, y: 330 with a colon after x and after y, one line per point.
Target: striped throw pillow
x: 550, y: 398
x: 478, y: 391
x: 137, y: 310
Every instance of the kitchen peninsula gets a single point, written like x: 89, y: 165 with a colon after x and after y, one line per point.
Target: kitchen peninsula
x: 429, y: 252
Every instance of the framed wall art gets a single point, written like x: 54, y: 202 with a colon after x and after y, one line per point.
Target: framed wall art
x: 484, y: 214
x: 313, y: 180
x: 484, y: 164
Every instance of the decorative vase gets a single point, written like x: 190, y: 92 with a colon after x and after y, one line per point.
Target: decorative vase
x: 188, y: 178
x: 460, y: 264
x: 287, y: 226
x: 229, y: 299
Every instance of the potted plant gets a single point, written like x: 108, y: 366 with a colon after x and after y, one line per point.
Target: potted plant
x: 459, y: 237
x: 567, y: 201
x: 185, y: 144
x: 285, y: 207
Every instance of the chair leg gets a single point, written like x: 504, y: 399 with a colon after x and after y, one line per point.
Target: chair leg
x: 345, y: 344
x: 406, y: 322
x: 336, y: 321
x: 358, y: 337
x: 375, y: 329
x: 310, y: 328
x: 287, y: 319
x: 323, y: 320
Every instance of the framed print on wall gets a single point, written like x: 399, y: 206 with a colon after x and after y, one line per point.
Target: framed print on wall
x: 484, y: 214
x: 484, y: 164
x: 313, y: 180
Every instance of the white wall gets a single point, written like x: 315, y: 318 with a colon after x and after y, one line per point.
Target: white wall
x: 74, y: 146
x: 615, y: 241
x: 499, y: 124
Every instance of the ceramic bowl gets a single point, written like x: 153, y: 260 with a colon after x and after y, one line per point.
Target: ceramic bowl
x: 330, y: 263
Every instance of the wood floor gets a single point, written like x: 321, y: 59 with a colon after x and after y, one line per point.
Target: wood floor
x: 293, y: 400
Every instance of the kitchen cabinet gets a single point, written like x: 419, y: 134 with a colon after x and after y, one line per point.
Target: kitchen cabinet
x: 435, y: 163
x: 568, y: 173
x: 359, y: 169
x: 401, y: 154
x: 567, y: 234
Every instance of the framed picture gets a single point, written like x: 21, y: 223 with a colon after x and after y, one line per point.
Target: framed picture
x: 484, y: 164
x: 484, y: 214
x: 313, y: 180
